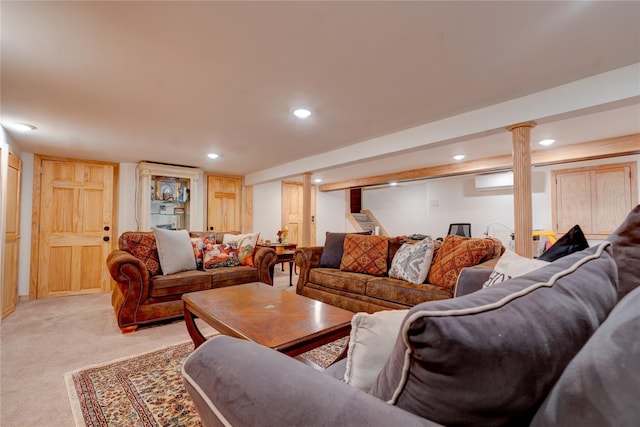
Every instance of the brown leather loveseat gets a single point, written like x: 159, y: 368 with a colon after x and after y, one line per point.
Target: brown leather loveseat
x: 144, y: 295
x: 360, y: 292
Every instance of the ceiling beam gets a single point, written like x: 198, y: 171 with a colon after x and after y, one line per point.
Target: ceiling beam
x: 598, y: 149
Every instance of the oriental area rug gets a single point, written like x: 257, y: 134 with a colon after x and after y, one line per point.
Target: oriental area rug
x: 147, y: 390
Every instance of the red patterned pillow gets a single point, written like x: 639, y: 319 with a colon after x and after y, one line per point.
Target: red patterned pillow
x: 365, y: 254
x: 456, y: 253
x: 220, y: 255
x: 199, y: 244
x: 142, y: 245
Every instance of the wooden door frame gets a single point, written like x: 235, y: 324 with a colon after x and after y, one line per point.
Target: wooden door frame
x: 35, y: 211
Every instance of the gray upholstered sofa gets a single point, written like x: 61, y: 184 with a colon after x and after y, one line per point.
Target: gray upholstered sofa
x: 559, y: 346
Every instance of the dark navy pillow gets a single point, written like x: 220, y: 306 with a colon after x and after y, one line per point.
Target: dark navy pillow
x: 572, y: 241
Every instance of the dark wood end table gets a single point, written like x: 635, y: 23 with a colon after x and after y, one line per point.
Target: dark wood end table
x: 282, y: 320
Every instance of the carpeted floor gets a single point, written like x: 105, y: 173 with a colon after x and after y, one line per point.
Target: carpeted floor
x: 147, y: 390
x: 46, y: 338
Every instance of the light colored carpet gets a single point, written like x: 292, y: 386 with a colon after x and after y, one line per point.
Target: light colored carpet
x: 44, y: 339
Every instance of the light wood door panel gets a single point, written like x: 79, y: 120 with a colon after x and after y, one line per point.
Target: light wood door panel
x: 597, y: 198
x: 12, y: 237
x: 224, y: 203
x: 574, y: 193
x: 292, y: 211
x: 76, y: 227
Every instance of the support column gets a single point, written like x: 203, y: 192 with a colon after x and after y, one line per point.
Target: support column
x: 523, y: 222
x: 306, y: 209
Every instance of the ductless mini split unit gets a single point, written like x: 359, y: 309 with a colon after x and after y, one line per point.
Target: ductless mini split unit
x: 494, y: 181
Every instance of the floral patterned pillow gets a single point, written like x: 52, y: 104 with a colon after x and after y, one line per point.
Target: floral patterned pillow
x: 246, y: 245
x: 199, y: 244
x: 365, y: 254
x: 412, y: 261
x: 220, y: 255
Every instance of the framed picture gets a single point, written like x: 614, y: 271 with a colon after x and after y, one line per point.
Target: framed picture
x: 166, y: 190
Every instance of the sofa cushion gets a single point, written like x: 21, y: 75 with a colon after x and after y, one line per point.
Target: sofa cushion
x: 491, y: 357
x: 142, y: 245
x: 412, y: 261
x: 179, y: 283
x: 370, y: 344
x: 601, y: 385
x: 572, y: 241
x: 511, y: 265
x: 174, y: 250
x: 334, y: 248
x: 246, y: 244
x: 227, y: 276
x: 626, y: 252
x: 396, y: 290
x: 457, y: 252
x: 331, y: 278
x: 365, y: 254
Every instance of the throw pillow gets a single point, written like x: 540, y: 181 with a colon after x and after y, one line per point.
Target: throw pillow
x: 511, y: 265
x: 370, y: 344
x: 365, y: 254
x: 600, y: 386
x: 457, y: 252
x: 572, y: 241
x: 199, y: 244
x: 334, y: 248
x: 246, y: 244
x: 626, y: 252
x: 174, y: 250
x: 505, y: 346
x: 142, y: 245
x: 220, y: 255
x: 412, y: 261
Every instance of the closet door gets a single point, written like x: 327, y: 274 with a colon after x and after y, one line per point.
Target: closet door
x: 12, y: 237
x: 224, y: 203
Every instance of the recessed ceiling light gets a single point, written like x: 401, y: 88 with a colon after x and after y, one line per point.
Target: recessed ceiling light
x: 317, y: 180
x: 458, y: 157
x: 547, y: 142
x: 19, y: 127
x: 212, y: 156
x: 393, y: 183
x: 301, y: 113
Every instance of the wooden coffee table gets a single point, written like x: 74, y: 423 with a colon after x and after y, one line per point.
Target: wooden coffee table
x: 284, y: 321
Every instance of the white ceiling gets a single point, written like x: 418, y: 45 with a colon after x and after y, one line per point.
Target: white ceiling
x: 172, y: 81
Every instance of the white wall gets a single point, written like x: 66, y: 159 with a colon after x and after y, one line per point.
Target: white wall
x: 330, y: 209
x: 267, y: 209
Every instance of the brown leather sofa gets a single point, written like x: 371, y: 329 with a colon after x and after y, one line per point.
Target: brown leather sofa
x: 359, y: 292
x: 144, y: 295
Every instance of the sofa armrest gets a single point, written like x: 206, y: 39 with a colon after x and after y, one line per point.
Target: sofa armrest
x: 470, y: 280
x: 235, y: 382
x: 132, y: 286
x: 263, y: 260
x: 306, y: 259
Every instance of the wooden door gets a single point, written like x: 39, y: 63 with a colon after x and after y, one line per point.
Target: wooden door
x: 292, y: 217
x: 12, y: 237
x: 224, y: 203
x: 76, y: 222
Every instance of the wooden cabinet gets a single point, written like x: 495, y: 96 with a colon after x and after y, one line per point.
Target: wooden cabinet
x: 596, y: 198
x: 167, y: 196
x: 224, y: 203
x: 12, y: 237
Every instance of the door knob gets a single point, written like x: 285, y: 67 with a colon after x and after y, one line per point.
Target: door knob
x: 210, y: 228
x: 105, y: 238
x: 106, y: 228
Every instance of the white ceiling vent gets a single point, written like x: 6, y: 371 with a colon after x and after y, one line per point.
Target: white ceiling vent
x: 494, y: 181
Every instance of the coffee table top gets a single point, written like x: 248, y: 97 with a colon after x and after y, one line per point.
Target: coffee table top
x: 282, y: 320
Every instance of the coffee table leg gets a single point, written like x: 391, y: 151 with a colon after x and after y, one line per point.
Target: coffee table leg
x: 192, y: 328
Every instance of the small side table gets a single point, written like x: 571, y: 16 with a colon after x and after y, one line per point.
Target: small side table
x: 284, y: 253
